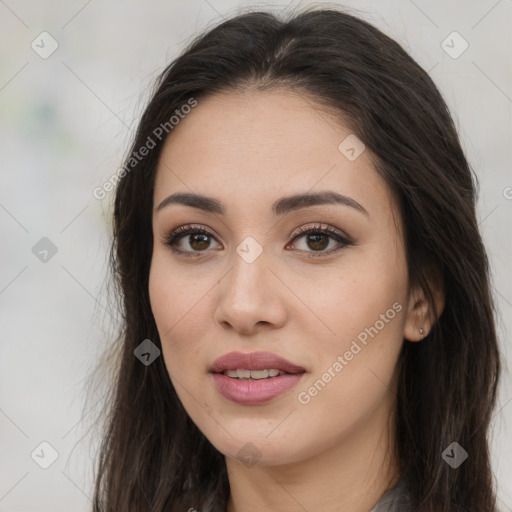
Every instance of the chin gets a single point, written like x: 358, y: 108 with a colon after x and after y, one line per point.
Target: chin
x: 257, y: 450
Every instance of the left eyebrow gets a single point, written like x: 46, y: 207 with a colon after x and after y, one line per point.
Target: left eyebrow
x: 280, y: 207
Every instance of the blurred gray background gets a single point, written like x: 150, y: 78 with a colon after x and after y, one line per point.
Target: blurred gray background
x: 74, y: 78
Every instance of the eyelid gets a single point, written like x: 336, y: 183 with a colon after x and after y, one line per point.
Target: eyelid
x: 182, y: 231
x: 339, y: 236
x: 320, y: 226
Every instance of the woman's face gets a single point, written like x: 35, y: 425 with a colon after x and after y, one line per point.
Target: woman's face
x: 334, y: 305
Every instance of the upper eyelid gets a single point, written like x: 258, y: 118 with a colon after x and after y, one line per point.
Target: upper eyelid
x: 188, y: 229
x: 320, y: 226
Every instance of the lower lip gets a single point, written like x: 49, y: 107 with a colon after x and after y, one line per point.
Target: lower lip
x: 253, y: 392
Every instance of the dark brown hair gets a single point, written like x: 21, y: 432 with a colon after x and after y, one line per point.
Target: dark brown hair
x: 152, y: 456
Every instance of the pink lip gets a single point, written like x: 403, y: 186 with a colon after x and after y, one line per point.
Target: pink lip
x: 253, y: 361
x: 252, y: 392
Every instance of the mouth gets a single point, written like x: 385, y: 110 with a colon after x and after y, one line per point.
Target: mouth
x: 243, y: 374
x: 253, y: 362
x: 254, y: 378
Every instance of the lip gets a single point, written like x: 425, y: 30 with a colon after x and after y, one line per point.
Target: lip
x: 253, y: 392
x: 253, y: 361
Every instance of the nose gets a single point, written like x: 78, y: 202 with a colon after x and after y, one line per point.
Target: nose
x: 251, y: 297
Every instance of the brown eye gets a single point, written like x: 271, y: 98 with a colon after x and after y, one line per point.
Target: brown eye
x: 317, y: 239
x: 317, y: 242
x: 198, y: 239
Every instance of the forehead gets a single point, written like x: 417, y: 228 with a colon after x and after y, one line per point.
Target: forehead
x: 253, y: 146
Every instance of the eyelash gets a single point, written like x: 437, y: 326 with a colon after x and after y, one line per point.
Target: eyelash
x: 182, y: 231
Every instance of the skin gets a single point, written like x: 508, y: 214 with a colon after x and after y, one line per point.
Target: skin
x: 248, y: 149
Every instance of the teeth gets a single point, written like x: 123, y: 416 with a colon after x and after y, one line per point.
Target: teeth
x: 258, y: 374
x: 253, y: 374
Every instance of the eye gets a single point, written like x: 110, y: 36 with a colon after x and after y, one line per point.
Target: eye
x: 197, y: 239
x: 316, y: 237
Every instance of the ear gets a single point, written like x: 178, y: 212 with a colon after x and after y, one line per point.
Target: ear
x: 420, y: 316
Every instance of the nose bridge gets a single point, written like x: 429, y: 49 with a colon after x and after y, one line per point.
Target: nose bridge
x: 248, y: 275
x: 247, y: 295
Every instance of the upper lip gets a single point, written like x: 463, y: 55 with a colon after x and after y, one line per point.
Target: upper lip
x: 253, y: 361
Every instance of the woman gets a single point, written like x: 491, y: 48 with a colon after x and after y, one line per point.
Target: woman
x: 308, y: 323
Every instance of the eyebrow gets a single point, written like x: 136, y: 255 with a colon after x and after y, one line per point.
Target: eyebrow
x: 280, y: 207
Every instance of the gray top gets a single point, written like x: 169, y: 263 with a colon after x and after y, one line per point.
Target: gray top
x: 395, y: 499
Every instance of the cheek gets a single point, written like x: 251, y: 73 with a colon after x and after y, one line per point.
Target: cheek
x: 355, y: 363
x: 363, y: 307
x: 177, y: 308
x: 179, y: 302
x: 358, y: 297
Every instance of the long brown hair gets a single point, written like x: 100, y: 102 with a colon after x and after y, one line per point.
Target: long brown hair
x: 152, y: 456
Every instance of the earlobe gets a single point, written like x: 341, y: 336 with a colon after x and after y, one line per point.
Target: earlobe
x: 416, y: 326
x: 420, y: 315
